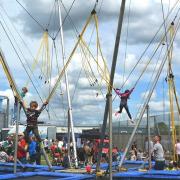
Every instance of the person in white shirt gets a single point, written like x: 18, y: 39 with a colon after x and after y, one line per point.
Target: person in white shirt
x: 133, y: 156
x: 177, y: 148
x: 3, y: 155
x: 46, y: 144
x: 60, y: 144
x: 158, y: 153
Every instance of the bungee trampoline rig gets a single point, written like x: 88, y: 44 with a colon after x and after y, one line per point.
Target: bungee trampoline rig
x: 129, y: 169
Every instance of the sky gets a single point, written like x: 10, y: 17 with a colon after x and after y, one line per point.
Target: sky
x: 142, y: 19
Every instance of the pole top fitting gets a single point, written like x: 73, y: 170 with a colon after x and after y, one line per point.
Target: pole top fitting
x: 171, y: 76
x: 93, y: 12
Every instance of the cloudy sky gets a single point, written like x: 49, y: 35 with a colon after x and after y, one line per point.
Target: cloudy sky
x: 141, y: 22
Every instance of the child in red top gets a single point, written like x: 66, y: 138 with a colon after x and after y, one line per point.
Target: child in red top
x: 123, y: 104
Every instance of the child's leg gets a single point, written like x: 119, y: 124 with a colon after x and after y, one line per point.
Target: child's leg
x: 36, y: 133
x: 26, y: 133
x: 127, y: 110
x: 120, y: 108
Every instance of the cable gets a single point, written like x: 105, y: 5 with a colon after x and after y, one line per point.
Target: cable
x: 165, y: 29
x: 51, y: 15
x: 64, y: 18
x: 77, y: 33
x: 165, y: 56
x: 126, y: 43
x: 21, y: 59
x: 37, y: 22
x: 147, y: 47
x: 72, y: 97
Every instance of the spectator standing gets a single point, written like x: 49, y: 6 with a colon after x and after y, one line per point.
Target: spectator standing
x: 46, y: 144
x: 158, y: 153
x: 60, y: 144
x: 177, y: 148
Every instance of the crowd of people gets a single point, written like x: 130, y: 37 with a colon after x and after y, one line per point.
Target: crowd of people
x: 87, y: 153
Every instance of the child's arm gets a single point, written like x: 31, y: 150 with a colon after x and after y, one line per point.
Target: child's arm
x: 43, y: 106
x: 131, y: 91
x: 23, y: 106
x: 117, y: 91
x: 128, y: 93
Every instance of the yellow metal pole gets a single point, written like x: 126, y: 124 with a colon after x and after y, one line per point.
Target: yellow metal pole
x: 171, y: 91
x: 9, y: 76
x: 172, y: 116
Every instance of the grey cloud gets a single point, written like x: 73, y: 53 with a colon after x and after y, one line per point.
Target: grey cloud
x: 143, y: 22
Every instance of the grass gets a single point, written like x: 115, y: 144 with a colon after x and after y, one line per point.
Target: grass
x: 43, y: 161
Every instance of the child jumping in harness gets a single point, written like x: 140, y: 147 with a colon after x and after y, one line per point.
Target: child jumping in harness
x: 32, y: 115
x: 123, y: 104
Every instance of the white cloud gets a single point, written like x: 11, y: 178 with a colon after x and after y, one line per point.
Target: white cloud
x: 9, y: 94
x: 158, y: 106
x: 143, y: 25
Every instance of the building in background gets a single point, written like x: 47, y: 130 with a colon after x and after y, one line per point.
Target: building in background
x: 4, y: 116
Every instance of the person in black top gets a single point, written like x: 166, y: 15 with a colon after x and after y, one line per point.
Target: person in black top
x: 32, y: 115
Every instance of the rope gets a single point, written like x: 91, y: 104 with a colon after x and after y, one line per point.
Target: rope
x: 91, y: 78
x: 98, y: 13
x: 19, y: 58
x: 106, y: 71
x: 23, y: 54
x: 104, y: 78
x: 166, y: 55
x: 147, y: 47
x: 87, y: 73
x: 87, y: 68
x: 144, y: 69
x: 68, y: 61
x: 74, y: 49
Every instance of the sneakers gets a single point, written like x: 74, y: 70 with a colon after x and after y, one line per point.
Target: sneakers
x: 116, y: 114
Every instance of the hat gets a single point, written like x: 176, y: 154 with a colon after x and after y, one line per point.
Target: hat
x: 20, y: 134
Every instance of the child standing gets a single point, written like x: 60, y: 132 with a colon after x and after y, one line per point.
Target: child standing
x: 123, y: 104
x: 32, y: 115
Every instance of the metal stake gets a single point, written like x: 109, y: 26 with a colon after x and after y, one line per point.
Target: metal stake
x: 113, y: 67
x: 149, y: 138
x: 110, y: 137
x: 67, y: 88
x: 16, y: 138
